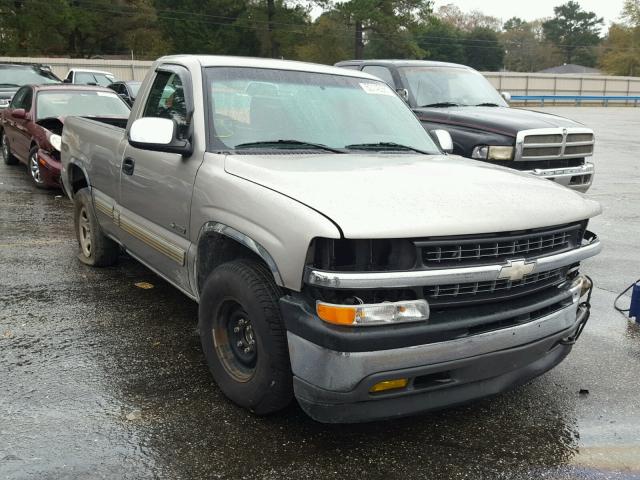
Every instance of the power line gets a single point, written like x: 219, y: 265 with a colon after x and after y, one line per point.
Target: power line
x: 301, y: 29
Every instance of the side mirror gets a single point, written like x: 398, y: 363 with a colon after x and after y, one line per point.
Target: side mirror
x: 404, y: 93
x: 444, y: 140
x: 66, y: 80
x: 19, y: 113
x: 506, y: 96
x: 158, y: 135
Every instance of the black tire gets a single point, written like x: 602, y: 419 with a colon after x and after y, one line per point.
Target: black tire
x: 259, y: 380
x: 8, y: 157
x: 34, y: 168
x: 96, y: 249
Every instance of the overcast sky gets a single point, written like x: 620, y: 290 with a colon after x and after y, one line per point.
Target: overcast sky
x: 532, y: 9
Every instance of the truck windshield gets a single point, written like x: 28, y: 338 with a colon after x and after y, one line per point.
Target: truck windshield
x: 448, y: 87
x: 281, y: 109
x: 81, y: 103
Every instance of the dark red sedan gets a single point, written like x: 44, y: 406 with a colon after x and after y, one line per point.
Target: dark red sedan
x: 30, y: 127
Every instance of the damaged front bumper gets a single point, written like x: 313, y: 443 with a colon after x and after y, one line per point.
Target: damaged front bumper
x: 335, y: 368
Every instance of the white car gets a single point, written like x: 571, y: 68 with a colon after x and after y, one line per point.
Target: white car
x: 90, y: 77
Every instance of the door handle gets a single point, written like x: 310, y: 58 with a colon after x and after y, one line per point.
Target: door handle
x: 128, y: 164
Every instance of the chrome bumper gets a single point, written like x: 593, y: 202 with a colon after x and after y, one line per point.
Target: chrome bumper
x: 420, y: 278
x: 575, y: 178
x: 343, y: 371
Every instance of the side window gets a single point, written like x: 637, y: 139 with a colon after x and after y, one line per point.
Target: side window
x: 166, y: 100
x: 383, y: 73
x: 27, y: 100
x: 16, y: 101
x: 85, y: 78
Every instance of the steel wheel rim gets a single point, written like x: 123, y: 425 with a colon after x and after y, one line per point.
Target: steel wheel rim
x: 234, y: 340
x: 35, y: 169
x: 84, y: 232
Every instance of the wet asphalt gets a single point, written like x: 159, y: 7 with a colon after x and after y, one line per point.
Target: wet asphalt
x: 101, y: 379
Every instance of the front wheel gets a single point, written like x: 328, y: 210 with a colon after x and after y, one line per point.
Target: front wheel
x: 7, y: 156
x: 96, y: 249
x: 34, y: 169
x: 243, y: 337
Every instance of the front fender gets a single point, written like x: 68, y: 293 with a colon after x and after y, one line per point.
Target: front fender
x: 465, y: 138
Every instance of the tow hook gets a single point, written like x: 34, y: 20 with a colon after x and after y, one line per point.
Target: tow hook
x: 586, y: 305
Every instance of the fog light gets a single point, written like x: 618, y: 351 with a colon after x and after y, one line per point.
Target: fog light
x: 389, y: 385
x: 374, y: 313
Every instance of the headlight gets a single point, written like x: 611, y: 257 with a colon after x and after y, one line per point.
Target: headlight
x: 374, y: 313
x: 493, y: 152
x: 56, y: 141
x: 4, y: 102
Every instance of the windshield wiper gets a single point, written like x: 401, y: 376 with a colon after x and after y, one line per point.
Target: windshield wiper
x: 487, y: 104
x: 287, y: 143
x: 440, y: 104
x: 383, y: 146
x: 8, y: 85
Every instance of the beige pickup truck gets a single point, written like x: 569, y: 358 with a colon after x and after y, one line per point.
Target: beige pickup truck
x: 347, y: 263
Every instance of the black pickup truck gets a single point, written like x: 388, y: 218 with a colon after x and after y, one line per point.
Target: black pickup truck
x: 460, y: 100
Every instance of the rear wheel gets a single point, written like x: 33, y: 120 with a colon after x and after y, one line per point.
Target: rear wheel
x: 7, y: 156
x: 34, y: 168
x: 243, y: 337
x: 96, y: 249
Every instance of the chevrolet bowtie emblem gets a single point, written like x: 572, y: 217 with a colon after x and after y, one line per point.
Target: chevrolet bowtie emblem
x: 516, y: 270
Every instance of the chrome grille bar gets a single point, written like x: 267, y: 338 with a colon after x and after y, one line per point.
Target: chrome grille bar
x: 554, y: 143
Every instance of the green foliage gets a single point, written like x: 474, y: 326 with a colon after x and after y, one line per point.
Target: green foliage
x: 525, y: 48
x: 575, y: 32
x: 206, y: 26
x: 79, y: 28
x: 329, y: 40
x: 483, y: 49
x: 441, y: 41
x: 622, y: 50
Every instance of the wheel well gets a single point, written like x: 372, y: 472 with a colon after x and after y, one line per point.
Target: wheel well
x: 33, y: 144
x: 214, y: 249
x: 77, y: 180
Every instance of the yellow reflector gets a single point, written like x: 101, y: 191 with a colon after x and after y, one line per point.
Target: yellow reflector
x: 339, y: 315
x: 389, y: 385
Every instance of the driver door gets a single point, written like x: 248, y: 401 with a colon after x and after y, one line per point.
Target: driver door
x: 156, y: 187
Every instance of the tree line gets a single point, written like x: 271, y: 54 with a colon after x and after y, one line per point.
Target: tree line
x: 323, y: 31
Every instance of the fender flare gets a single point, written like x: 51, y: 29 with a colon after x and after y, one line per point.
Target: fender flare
x: 250, y: 243
x: 65, y: 175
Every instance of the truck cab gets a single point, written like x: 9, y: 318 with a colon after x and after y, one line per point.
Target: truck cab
x: 483, y: 127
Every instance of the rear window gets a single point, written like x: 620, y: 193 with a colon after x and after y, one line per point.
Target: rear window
x: 80, y: 103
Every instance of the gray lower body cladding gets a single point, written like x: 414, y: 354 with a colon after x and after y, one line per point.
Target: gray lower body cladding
x: 334, y: 386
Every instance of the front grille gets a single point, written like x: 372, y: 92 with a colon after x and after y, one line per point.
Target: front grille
x: 557, y: 138
x: 458, y: 294
x: 540, y: 145
x: 498, y: 248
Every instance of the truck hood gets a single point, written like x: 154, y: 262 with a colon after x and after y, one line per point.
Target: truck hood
x: 503, y: 120
x: 406, y: 195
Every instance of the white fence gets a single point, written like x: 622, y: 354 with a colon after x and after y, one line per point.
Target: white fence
x: 122, y: 69
x: 553, y: 84
x: 514, y: 83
